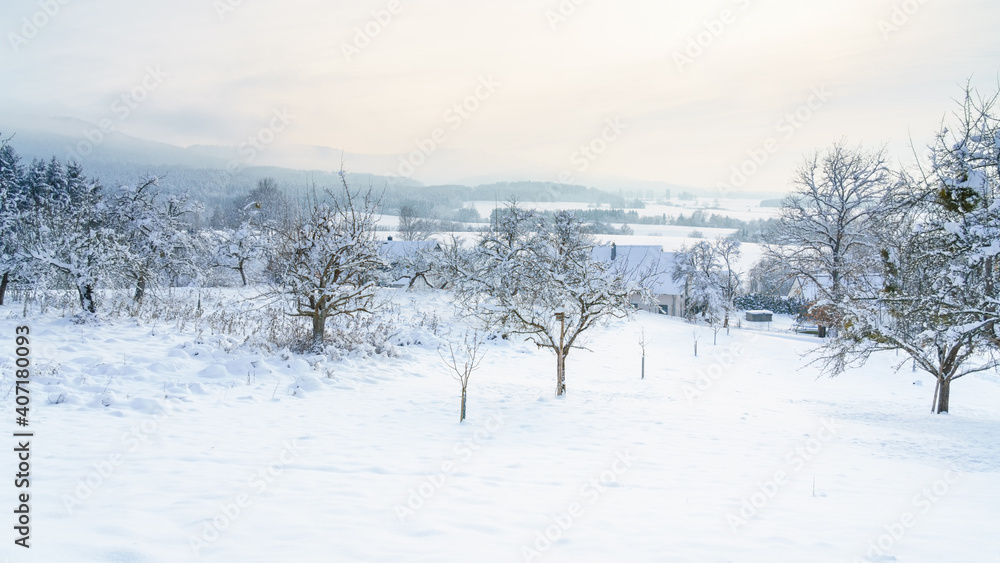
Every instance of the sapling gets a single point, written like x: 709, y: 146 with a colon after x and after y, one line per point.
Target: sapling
x: 642, y: 344
x: 471, y: 356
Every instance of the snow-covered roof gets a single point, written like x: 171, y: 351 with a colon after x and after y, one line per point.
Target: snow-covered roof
x: 807, y: 289
x: 406, y: 248
x: 640, y: 259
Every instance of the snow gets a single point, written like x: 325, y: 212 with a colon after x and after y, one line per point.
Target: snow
x: 739, y: 454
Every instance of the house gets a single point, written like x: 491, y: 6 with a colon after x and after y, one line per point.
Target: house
x: 408, y: 262
x: 812, y: 289
x: 651, y: 261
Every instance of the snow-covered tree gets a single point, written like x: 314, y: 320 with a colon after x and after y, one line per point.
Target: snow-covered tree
x: 330, y: 261
x: 237, y: 249
x: 920, y: 310
x: 441, y: 269
x: 537, y: 278
x: 964, y: 185
x: 937, y: 299
x: 70, y: 228
x: 11, y: 207
x: 827, y: 232
x: 709, y: 272
x: 159, y: 246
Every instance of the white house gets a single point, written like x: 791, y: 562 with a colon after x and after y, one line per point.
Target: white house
x: 635, y: 260
x: 407, y: 261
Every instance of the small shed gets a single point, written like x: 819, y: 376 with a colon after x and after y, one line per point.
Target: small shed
x: 759, y: 316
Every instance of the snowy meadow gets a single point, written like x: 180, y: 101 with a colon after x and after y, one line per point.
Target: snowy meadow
x: 170, y: 441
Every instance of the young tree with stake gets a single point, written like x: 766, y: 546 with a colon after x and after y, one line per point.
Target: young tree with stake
x: 463, y: 359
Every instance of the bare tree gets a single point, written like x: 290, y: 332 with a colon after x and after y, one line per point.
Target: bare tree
x: 412, y: 227
x: 330, y: 260
x: 826, y: 235
x: 463, y: 359
x: 642, y: 344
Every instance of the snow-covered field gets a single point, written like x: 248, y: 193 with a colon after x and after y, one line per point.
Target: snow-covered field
x: 153, y: 444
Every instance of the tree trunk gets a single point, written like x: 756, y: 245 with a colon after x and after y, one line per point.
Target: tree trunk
x: 560, y: 374
x: 3, y: 285
x: 944, y: 394
x: 87, y: 298
x: 243, y: 273
x: 643, y: 368
x: 462, y: 416
x: 821, y: 331
x: 318, y: 332
x: 140, y: 290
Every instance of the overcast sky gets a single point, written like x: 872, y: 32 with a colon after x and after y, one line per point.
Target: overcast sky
x: 558, y: 72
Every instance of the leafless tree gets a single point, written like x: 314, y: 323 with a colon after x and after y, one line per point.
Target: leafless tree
x: 463, y: 359
x: 412, y: 227
x: 827, y: 233
x: 642, y: 344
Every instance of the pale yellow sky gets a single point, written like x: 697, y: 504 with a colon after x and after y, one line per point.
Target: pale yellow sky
x: 557, y: 71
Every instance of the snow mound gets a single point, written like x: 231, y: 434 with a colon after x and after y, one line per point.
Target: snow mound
x: 304, y: 384
x: 214, y: 371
